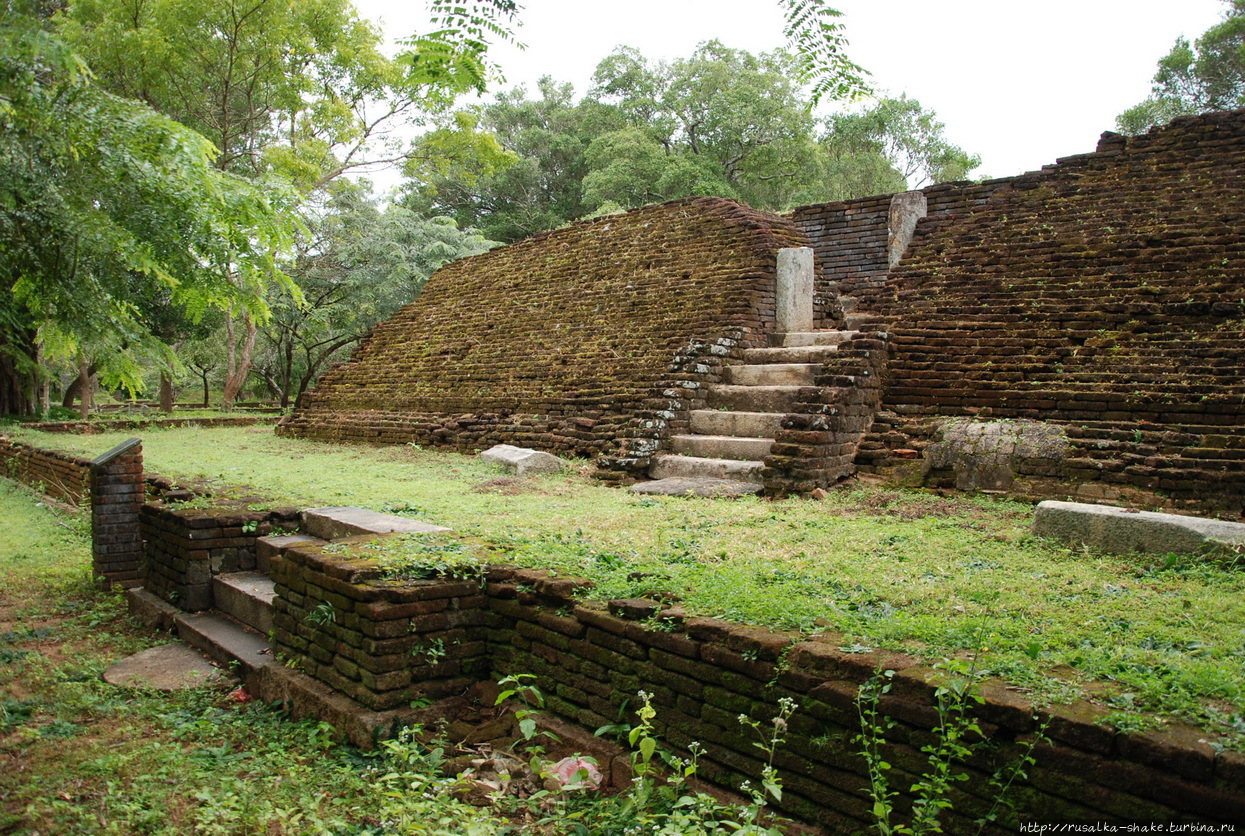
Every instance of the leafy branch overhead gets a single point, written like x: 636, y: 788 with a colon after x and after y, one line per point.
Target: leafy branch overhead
x: 814, y: 33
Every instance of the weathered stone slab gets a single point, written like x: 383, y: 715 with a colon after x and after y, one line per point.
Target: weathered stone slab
x: 336, y: 521
x: 522, y: 460
x: 986, y: 455
x: 169, y: 667
x: 697, y: 486
x: 794, y: 300
x: 1114, y: 529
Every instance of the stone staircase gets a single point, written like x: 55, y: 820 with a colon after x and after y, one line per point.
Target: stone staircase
x: 235, y: 631
x: 730, y: 439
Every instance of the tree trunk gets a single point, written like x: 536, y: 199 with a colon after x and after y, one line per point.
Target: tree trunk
x: 166, y: 392
x: 75, y: 385
x: 84, y: 387
x: 239, y: 362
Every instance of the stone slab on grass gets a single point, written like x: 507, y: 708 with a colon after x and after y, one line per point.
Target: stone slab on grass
x: 1121, y: 530
x: 697, y: 486
x: 522, y: 461
x: 333, y: 522
x: 169, y: 667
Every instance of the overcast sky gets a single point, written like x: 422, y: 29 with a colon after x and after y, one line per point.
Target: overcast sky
x: 1019, y: 83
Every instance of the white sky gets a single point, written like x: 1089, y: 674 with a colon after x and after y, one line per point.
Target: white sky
x: 1019, y: 83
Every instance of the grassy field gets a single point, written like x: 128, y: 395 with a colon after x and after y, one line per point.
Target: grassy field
x: 901, y: 570
x: 78, y: 756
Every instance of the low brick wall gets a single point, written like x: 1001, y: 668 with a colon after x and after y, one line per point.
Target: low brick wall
x: 59, y: 475
x: 184, y: 547
x: 382, y: 643
x: 386, y: 643
x: 163, y: 421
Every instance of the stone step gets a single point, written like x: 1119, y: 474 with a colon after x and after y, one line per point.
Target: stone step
x: 225, y: 640
x: 740, y: 424
x: 721, y: 447
x: 803, y: 338
x: 753, y: 398
x: 330, y: 523
x: 266, y: 548
x: 694, y: 467
x: 245, y: 597
x: 772, y: 374
x: 815, y: 354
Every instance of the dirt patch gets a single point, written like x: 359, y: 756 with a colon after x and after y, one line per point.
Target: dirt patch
x: 509, y: 486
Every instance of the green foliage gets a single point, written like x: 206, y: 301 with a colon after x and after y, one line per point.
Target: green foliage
x: 819, y: 43
x: 356, y: 265
x: 722, y: 122
x: 104, y: 203
x: 1193, y: 78
x: 908, y: 137
x: 957, y: 736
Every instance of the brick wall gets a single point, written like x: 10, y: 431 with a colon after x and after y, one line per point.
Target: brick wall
x: 385, y: 643
x: 58, y: 475
x: 1103, y: 293
x: 117, y: 494
x: 564, y: 341
x: 184, y: 547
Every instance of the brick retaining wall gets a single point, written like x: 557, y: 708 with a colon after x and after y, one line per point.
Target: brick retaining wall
x: 386, y: 643
x: 184, y: 547
x: 59, y: 475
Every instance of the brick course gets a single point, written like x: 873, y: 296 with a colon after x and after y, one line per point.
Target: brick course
x: 342, y: 623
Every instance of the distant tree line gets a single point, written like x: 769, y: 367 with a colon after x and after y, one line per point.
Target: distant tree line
x: 179, y: 194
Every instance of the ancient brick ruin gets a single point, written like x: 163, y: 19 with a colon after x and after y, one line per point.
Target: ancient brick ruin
x: 1076, y: 331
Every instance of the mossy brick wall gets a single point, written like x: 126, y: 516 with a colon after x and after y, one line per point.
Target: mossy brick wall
x: 381, y: 643
x: 1103, y: 293
x: 592, y: 657
x: 58, y: 475
x: 818, y: 442
x: 184, y: 547
x: 565, y: 341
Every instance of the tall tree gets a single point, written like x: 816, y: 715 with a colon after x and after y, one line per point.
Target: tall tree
x: 357, y: 264
x: 904, y: 134
x: 295, y: 90
x: 1193, y: 78
x: 99, y: 194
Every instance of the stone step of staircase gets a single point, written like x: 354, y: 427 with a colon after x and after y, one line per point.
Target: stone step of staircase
x: 753, y: 398
x: 721, y: 447
x: 692, y: 467
x: 796, y: 339
x: 245, y: 597
x: 329, y: 523
x: 225, y: 641
x: 772, y: 374
x: 266, y: 548
x: 814, y: 354
x: 740, y: 424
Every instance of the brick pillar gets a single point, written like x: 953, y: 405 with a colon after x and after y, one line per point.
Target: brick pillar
x: 116, y: 497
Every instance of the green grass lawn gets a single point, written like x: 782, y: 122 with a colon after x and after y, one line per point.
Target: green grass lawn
x: 889, y: 569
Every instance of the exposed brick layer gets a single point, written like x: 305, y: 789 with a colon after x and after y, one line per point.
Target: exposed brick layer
x: 59, y: 475
x: 386, y: 643
x: 184, y: 547
x: 1103, y: 293
x: 560, y: 341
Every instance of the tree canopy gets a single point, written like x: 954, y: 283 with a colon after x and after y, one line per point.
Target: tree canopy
x: 99, y: 193
x: 721, y: 122
x: 1208, y: 74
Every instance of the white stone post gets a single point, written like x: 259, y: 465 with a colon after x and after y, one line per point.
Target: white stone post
x: 794, y: 299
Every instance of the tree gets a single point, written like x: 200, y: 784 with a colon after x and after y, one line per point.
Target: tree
x: 299, y: 91
x: 1207, y: 75
x: 99, y: 196
x: 528, y: 179
x: 907, y: 136
x: 356, y: 265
